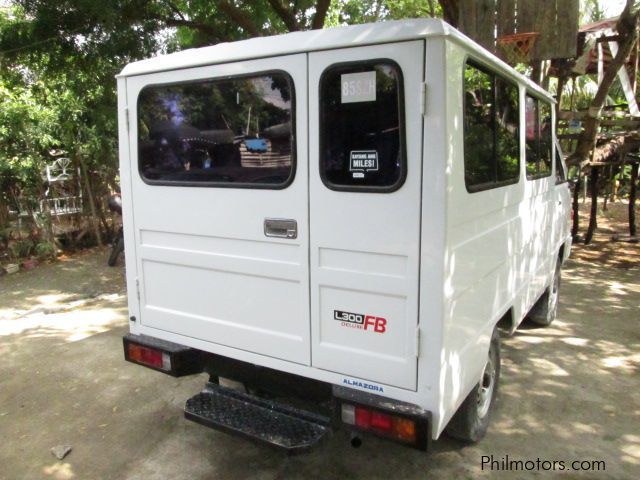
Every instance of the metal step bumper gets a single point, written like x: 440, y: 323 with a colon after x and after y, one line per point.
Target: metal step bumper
x: 262, y: 420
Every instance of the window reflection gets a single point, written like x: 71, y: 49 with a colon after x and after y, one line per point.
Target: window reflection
x: 491, y: 139
x: 232, y: 131
x: 538, y: 137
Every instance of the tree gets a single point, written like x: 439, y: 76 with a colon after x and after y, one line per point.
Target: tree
x: 627, y: 28
x: 58, y: 60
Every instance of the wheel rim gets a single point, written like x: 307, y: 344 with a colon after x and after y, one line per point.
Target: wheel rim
x: 486, y: 387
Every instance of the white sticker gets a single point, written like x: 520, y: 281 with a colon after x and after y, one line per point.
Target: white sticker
x: 358, y: 87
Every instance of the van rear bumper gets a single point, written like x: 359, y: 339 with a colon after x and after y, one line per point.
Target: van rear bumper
x: 318, y: 398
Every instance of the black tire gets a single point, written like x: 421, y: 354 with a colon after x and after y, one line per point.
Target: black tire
x: 117, y: 248
x: 545, y: 309
x: 471, y: 421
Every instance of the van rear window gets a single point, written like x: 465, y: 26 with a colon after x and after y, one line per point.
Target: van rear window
x: 362, y: 127
x: 232, y: 132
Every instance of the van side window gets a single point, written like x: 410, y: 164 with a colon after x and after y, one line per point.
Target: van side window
x: 362, y: 144
x: 538, y: 137
x: 491, y: 144
x: 231, y: 132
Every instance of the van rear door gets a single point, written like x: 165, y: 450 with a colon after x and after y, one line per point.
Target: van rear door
x: 220, y: 203
x: 365, y: 125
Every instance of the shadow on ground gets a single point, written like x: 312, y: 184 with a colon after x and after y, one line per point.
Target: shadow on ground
x: 569, y: 392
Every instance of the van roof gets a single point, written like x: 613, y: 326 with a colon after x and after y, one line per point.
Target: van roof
x: 324, y: 39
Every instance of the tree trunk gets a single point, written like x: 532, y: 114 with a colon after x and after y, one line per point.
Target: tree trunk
x: 92, y: 201
x: 576, y: 207
x: 632, y: 200
x: 240, y: 17
x: 593, y: 219
x: 321, y: 14
x: 627, y: 34
x: 287, y: 16
x: 432, y: 8
x: 450, y: 11
x: 4, y: 214
x: 562, y: 81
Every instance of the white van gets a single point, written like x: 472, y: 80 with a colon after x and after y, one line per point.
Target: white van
x: 342, y: 215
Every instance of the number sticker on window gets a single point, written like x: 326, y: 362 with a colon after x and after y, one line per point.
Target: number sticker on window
x: 358, y: 87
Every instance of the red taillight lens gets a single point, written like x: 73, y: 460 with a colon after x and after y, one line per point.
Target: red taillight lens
x: 381, y: 421
x: 363, y: 418
x: 148, y: 356
x: 376, y: 421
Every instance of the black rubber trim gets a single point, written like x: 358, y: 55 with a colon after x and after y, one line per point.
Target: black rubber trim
x: 402, y: 120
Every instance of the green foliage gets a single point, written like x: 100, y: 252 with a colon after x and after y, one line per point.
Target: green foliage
x: 58, y: 91
x: 25, y: 135
x: 58, y: 60
x: 22, y: 248
x: 350, y: 12
x: 44, y: 250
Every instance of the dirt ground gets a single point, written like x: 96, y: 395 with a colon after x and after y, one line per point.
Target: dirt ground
x: 568, y: 392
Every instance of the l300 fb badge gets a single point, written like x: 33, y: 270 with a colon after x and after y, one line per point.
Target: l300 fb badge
x: 361, y: 321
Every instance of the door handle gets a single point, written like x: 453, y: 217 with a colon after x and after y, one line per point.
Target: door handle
x: 280, y: 228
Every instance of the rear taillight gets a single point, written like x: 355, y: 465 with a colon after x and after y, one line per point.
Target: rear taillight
x: 376, y: 421
x: 149, y: 357
x: 167, y: 357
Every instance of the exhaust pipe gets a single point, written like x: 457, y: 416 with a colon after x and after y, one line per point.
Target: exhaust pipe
x: 356, y: 441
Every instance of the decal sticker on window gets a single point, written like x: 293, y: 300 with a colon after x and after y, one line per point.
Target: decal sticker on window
x: 363, y: 161
x: 358, y: 87
x: 361, y: 321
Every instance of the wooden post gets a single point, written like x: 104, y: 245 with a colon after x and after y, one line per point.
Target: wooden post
x: 607, y: 187
x: 632, y: 200
x: 593, y: 183
x: 576, y: 207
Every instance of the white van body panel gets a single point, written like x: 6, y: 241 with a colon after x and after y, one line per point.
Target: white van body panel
x: 498, y: 256
x: 365, y: 247
x: 448, y: 263
x: 205, y: 267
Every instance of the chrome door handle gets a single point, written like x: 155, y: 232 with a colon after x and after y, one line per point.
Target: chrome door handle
x: 280, y: 228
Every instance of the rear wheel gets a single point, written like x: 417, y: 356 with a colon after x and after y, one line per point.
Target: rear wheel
x: 545, y: 310
x: 471, y: 421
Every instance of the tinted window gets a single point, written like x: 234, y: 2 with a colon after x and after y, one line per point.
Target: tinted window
x: 362, y: 130
x: 491, y: 142
x: 479, y: 165
x: 538, y: 137
x: 508, y: 139
x: 230, y: 132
